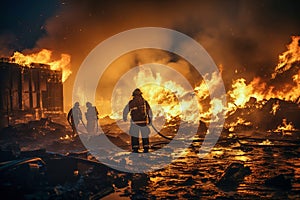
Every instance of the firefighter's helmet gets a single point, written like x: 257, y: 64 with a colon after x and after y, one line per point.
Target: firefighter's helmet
x: 136, y: 92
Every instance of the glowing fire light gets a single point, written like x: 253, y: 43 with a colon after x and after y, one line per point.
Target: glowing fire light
x: 169, y: 99
x: 275, y: 108
x: 257, y: 88
x: 164, y: 96
x: 285, y: 128
x: 289, y: 57
x: 44, y: 57
x: 68, y: 137
x: 266, y: 142
x: 238, y: 122
x: 241, y: 92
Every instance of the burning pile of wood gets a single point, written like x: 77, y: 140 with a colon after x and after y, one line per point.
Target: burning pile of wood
x: 274, y: 115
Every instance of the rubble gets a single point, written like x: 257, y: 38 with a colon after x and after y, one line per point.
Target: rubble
x: 29, y: 91
x: 71, y: 172
x: 280, y: 181
x: 233, y: 176
x: 261, y: 116
x: 43, y: 133
x: 54, y: 175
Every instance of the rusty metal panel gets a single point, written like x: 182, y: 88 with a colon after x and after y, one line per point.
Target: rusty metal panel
x: 28, y: 88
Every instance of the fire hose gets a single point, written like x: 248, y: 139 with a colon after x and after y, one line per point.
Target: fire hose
x: 159, y: 133
x: 168, y: 138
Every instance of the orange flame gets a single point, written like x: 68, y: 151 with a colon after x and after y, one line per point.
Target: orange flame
x: 242, y: 92
x: 68, y: 137
x: 163, y: 96
x: 239, y: 121
x: 44, y: 57
x: 285, y: 128
x: 289, y: 57
x: 275, y: 108
x: 170, y: 104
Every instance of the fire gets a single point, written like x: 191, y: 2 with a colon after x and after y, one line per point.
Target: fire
x: 266, y: 142
x: 68, y: 137
x: 285, y: 128
x: 44, y: 56
x: 288, y: 58
x: 241, y: 92
x: 260, y: 90
x: 163, y: 101
x: 239, y: 121
x: 169, y: 99
x: 275, y: 108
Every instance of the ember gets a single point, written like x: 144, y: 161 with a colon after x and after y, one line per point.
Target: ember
x: 285, y: 128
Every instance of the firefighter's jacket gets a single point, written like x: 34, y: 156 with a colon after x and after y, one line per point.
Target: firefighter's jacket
x: 140, y: 111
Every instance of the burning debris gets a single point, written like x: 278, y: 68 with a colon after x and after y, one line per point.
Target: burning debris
x: 31, y: 86
x: 255, y: 111
x: 285, y: 128
x: 44, y: 57
x: 260, y: 116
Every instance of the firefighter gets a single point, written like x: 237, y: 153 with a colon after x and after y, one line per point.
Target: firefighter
x: 91, y: 116
x: 74, y: 117
x: 141, y: 116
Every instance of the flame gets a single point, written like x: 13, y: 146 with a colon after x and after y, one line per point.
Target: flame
x: 266, y: 142
x: 288, y: 58
x: 239, y: 121
x: 275, y: 108
x: 68, y: 137
x: 285, y: 128
x: 44, y: 57
x: 241, y: 92
x: 260, y: 90
x: 169, y: 99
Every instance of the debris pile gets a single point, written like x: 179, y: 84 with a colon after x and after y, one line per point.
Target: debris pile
x: 43, y: 133
x: 233, y: 176
x: 264, y: 115
x: 41, y: 174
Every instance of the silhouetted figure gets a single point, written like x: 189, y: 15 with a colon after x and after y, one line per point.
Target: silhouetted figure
x: 74, y: 117
x: 141, y: 116
x: 91, y: 116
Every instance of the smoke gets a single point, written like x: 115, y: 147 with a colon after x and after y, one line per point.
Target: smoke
x: 7, y: 44
x: 244, y: 37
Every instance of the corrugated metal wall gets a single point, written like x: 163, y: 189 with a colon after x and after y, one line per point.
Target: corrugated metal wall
x: 25, y: 89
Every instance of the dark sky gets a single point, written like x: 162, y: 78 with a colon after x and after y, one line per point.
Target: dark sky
x: 252, y: 32
x: 23, y: 23
x: 246, y: 36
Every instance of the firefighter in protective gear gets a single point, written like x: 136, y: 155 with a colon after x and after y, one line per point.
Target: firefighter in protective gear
x: 141, y: 116
x: 91, y: 116
x: 74, y: 117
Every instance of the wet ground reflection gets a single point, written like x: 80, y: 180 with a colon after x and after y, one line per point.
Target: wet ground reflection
x: 192, y: 178
x: 246, y: 165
